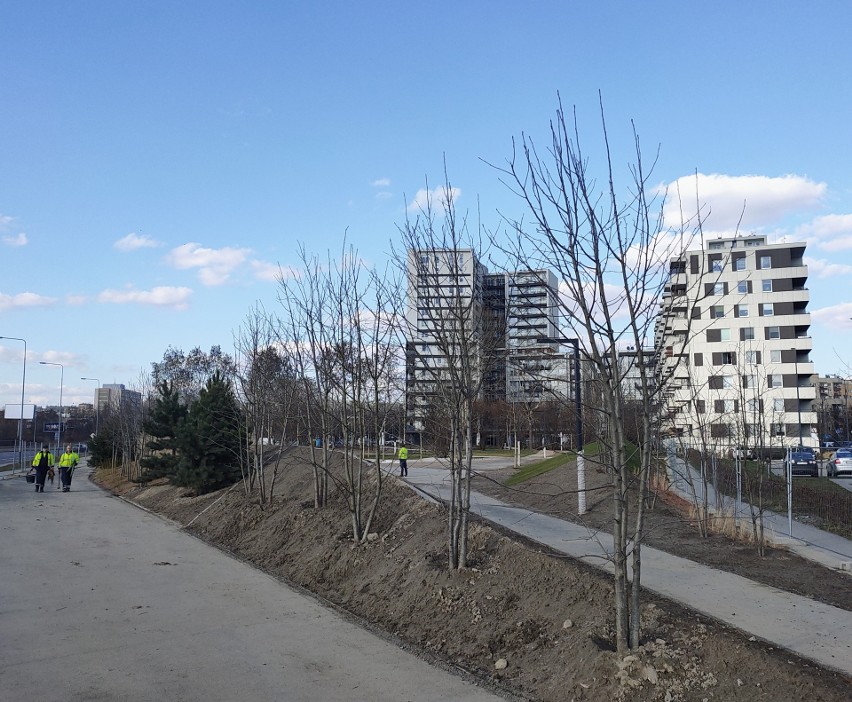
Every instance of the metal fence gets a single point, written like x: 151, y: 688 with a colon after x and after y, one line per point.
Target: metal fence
x: 816, y: 501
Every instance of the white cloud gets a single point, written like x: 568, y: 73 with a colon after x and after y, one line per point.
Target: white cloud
x: 384, y: 195
x: 64, y: 357
x: 826, y: 269
x: 829, y: 232
x: 26, y: 299
x: 17, y: 240
x: 134, y: 241
x: 215, y: 265
x: 744, y: 203
x: 76, y: 299
x: 162, y: 296
x: 5, y: 221
x: 266, y: 271
x: 437, y: 196
x: 834, y: 317
x: 381, y: 183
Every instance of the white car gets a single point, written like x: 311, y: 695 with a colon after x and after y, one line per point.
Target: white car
x: 841, y: 464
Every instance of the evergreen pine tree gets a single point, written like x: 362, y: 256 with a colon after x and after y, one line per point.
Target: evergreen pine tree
x: 163, y: 424
x: 210, y: 439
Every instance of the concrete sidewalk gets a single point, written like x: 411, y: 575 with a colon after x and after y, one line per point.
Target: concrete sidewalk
x: 807, y: 541
x: 813, y: 630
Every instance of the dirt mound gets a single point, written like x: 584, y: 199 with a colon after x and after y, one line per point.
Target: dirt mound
x: 533, y: 624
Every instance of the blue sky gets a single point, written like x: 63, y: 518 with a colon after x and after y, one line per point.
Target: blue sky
x: 160, y: 160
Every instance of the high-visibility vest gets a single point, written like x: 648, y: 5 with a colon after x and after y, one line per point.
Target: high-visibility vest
x: 68, y: 460
x: 38, y: 457
x: 403, y: 453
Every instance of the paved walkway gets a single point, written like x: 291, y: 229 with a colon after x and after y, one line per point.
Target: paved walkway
x: 102, y: 601
x: 807, y: 541
x: 813, y: 630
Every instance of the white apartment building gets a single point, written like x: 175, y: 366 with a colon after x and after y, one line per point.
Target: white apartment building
x: 496, y: 319
x: 734, y: 347
x: 536, y: 371
x: 445, y: 322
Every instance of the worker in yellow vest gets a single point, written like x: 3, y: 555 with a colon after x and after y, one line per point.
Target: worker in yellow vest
x: 403, y: 460
x: 42, y: 461
x: 67, y: 463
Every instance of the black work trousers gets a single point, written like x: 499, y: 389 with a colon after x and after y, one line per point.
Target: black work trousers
x: 65, y: 476
x: 41, y: 476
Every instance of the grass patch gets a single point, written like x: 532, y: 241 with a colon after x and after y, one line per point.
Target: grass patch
x: 508, y: 453
x: 531, y: 470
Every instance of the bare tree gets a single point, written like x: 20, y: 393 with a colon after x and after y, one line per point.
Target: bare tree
x: 613, y: 270
x: 342, y: 316
x: 449, y: 344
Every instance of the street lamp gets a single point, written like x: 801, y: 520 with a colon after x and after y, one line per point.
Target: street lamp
x: 581, y: 461
x: 61, y: 382
x: 97, y: 403
x: 23, y: 383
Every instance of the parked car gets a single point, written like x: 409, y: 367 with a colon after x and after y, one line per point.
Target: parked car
x: 841, y: 464
x: 802, y: 463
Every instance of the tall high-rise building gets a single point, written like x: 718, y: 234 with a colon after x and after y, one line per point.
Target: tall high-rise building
x: 458, y: 313
x: 117, y: 397
x: 734, y: 347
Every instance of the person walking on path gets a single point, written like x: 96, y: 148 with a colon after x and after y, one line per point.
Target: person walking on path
x: 42, y: 463
x: 67, y: 463
x: 403, y: 460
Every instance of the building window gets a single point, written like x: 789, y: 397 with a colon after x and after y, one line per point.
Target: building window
x: 718, y: 288
x: 765, y: 262
x: 749, y: 381
x: 716, y: 266
x: 725, y: 335
x: 775, y: 356
x: 727, y: 382
x: 748, y: 333
x: 742, y: 287
x: 742, y: 310
x: 739, y: 264
x: 773, y: 332
x: 767, y: 309
x: 778, y: 405
x: 751, y: 357
x: 729, y: 358
x: 766, y: 285
x: 777, y: 429
x: 752, y: 405
x: 776, y: 380
x: 717, y: 311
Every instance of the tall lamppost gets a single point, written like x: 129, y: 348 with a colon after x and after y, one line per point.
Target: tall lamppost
x: 97, y: 404
x: 61, y: 382
x: 581, y: 460
x: 21, y: 418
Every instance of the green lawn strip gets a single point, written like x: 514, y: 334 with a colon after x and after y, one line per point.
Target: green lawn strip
x: 531, y: 470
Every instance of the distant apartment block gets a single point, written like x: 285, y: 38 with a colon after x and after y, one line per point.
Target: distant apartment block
x: 734, y: 347
x: 117, y: 397
x: 458, y: 312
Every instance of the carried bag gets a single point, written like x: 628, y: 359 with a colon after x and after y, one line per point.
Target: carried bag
x: 30, y: 477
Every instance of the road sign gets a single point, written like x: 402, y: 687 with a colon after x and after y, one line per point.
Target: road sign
x: 53, y: 426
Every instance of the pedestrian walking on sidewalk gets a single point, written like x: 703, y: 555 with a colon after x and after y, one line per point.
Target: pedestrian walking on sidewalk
x: 403, y: 460
x: 67, y: 463
x: 42, y: 462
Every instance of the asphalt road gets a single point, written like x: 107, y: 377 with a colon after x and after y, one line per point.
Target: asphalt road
x: 100, y: 600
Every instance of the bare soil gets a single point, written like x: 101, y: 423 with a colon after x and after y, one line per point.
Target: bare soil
x: 547, y: 618
x: 671, y: 527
